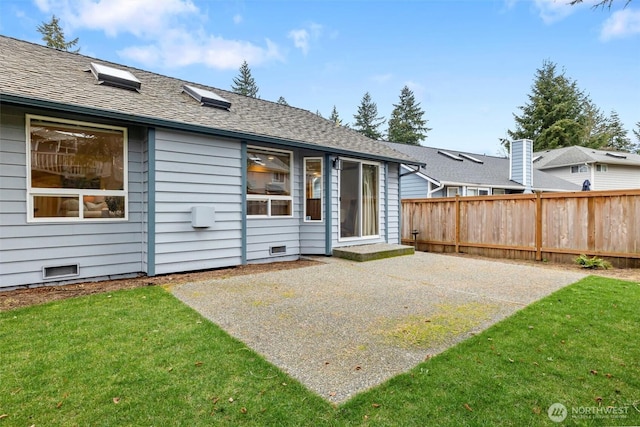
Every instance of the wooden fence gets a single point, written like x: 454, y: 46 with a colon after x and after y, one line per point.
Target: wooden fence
x: 542, y: 226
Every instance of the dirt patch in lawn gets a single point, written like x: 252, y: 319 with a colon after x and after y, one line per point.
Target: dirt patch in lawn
x: 38, y: 295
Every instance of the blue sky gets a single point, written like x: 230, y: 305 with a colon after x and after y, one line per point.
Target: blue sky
x: 469, y: 63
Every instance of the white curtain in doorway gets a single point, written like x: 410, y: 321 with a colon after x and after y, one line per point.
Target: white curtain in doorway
x: 369, y: 200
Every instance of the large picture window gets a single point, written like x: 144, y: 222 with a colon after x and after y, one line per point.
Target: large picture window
x: 76, y: 171
x: 269, y: 183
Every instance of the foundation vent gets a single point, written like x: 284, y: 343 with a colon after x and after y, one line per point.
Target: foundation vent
x: 275, y: 250
x: 59, y: 271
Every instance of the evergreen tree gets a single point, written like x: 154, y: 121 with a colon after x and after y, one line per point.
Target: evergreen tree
x: 617, y: 135
x: 282, y: 101
x: 636, y: 133
x: 596, y: 130
x: 244, y: 84
x: 53, y: 35
x: 406, y: 124
x: 558, y: 113
x: 334, y: 117
x: 367, y: 120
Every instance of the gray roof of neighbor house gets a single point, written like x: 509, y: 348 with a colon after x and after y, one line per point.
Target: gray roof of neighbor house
x: 492, y: 171
x: 577, y: 155
x: 39, y: 76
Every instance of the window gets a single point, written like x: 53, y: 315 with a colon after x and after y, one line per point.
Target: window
x: 472, y: 191
x: 313, y: 189
x: 602, y: 168
x: 579, y: 168
x: 359, y: 199
x: 453, y: 191
x: 269, y: 183
x: 76, y: 171
x: 499, y: 191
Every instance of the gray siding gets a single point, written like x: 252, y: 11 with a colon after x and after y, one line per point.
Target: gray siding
x: 100, y: 248
x: 194, y: 170
x: 414, y: 187
x: 393, y: 222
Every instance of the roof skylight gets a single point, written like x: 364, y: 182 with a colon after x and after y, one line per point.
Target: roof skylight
x: 115, y: 77
x: 536, y: 158
x: 468, y: 157
x: 451, y: 156
x: 206, y: 97
x: 616, y: 155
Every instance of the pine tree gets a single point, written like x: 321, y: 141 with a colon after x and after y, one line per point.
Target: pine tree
x: 335, y: 117
x: 244, y: 84
x: 53, y: 35
x: 554, y: 115
x: 406, y: 124
x: 596, y: 129
x: 367, y: 120
x: 282, y: 101
x: 636, y: 133
x: 617, y: 135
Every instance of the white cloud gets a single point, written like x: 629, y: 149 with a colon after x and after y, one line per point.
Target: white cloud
x: 554, y: 10
x: 178, y: 49
x: 303, y: 37
x: 300, y: 39
x: 169, y: 32
x: 622, y: 23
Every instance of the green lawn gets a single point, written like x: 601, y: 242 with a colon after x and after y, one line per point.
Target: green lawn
x: 141, y: 357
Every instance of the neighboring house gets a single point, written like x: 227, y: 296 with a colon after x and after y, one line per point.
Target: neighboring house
x: 450, y: 172
x: 605, y: 170
x: 107, y: 170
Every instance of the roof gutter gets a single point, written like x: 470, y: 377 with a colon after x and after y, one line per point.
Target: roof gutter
x: 151, y: 121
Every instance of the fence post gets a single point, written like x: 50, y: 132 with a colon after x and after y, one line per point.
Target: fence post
x: 457, y: 223
x: 538, y: 226
x: 591, y: 223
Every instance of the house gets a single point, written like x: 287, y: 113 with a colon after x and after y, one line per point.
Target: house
x: 111, y: 171
x: 604, y: 170
x: 448, y: 173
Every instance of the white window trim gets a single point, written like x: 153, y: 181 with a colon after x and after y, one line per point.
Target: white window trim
x: 269, y: 197
x: 66, y: 192
x: 304, y: 189
x: 458, y: 191
x: 580, y: 168
x: 380, y: 199
x: 603, y: 167
x: 478, y: 190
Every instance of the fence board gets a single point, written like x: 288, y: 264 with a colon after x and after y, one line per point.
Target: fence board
x: 529, y: 226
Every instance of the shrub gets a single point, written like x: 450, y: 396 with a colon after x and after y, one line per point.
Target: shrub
x: 595, y: 262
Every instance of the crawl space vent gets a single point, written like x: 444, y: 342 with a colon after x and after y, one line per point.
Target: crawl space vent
x: 59, y: 271
x: 115, y: 77
x: 275, y: 250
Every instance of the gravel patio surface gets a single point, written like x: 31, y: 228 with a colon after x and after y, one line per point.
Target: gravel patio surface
x: 341, y: 327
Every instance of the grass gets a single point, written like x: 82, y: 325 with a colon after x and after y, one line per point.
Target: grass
x: 140, y: 357
x: 424, y: 332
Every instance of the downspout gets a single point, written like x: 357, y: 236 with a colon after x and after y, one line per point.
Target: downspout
x: 435, y: 190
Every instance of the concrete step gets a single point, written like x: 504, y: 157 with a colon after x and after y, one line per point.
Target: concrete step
x: 372, y: 251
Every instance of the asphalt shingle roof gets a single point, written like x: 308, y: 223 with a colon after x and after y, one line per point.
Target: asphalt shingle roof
x: 493, y: 171
x: 576, y: 155
x: 33, y: 72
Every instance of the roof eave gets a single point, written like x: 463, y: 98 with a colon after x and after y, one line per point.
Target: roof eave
x: 155, y: 122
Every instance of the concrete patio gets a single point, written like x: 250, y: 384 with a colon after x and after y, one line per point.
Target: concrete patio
x: 339, y: 326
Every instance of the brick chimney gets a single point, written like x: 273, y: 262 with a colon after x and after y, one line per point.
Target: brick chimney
x: 521, y: 163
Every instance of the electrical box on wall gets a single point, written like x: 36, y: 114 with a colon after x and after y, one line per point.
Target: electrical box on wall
x: 202, y: 216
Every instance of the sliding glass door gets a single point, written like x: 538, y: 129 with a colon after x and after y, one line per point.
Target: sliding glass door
x: 359, y: 204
